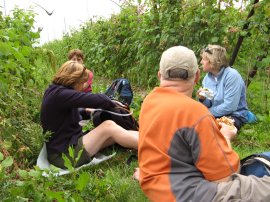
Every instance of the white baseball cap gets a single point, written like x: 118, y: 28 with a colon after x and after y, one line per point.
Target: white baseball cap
x: 178, y: 57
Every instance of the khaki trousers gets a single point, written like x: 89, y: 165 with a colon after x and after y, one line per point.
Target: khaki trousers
x: 244, y: 188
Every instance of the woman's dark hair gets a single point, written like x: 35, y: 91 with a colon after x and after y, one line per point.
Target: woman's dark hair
x: 75, y: 52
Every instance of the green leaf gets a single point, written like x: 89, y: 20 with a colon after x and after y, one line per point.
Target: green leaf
x: 266, y: 61
x: 7, y: 162
x: 79, y: 156
x: 82, y: 181
x: 76, y: 197
x: 23, y: 173
x: 5, y: 49
x: 214, y: 39
x: 59, y: 196
x: 20, y: 183
x: 67, y: 162
x: 243, y: 33
x: 18, y: 55
x: 26, y: 51
x: 34, y: 173
x: 1, y: 156
x: 71, y: 152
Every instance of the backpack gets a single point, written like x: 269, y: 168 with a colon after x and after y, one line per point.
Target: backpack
x: 120, y: 89
x: 256, y: 164
x: 119, y: 114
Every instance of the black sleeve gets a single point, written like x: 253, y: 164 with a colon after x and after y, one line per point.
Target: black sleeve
x: 74, y: 99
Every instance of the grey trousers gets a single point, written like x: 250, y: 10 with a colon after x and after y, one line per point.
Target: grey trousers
x: 244, y: 189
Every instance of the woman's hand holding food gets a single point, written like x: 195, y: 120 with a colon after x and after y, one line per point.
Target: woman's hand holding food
x: 205, y: 93
x: 199, y: 94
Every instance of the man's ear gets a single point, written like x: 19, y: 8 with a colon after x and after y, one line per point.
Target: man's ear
x: 159, y: 75
x: 197, y: 76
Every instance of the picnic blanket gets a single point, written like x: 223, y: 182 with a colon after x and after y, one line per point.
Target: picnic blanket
x: 43, y: 163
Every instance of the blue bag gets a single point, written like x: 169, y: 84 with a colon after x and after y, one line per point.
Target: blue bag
x: 256, y: 164
x: 120, y: 90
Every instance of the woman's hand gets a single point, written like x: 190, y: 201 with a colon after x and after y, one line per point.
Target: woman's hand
x: 201, y: 98
x: 90, y: 111
x: 118, y: 103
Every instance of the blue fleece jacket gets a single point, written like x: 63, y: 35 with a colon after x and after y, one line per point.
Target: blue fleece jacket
x: 229, y: 94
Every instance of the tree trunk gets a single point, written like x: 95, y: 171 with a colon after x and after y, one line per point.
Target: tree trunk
x: 253, y: 71
x: 241, y: 38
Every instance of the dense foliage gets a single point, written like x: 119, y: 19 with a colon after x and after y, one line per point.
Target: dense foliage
x: 22, y: 76
x: 128, y: 45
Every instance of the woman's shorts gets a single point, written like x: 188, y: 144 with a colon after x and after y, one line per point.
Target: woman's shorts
x: 58, y: 161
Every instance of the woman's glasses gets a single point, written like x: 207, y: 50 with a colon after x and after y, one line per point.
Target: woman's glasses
x: 208, y: 50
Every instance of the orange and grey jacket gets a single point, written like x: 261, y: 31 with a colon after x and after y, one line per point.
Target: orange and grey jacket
x: 181, y: 149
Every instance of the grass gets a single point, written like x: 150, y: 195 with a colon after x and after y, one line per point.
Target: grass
x: 114, y: 179
x: 253, y: 138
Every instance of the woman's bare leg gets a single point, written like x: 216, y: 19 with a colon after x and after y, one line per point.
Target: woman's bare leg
x: 107, y: 134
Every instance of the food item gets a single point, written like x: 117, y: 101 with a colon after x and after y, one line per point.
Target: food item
x: 226, y: 120
x: 206, y: 92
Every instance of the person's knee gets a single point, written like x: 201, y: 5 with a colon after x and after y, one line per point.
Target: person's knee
x: 108, y: 124
x: 109, y: 127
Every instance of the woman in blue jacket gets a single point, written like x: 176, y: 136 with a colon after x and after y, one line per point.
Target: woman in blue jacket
x: 226, y: 85
x: 60, y: 117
